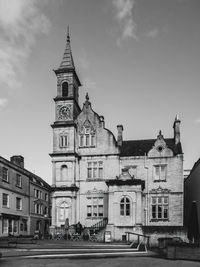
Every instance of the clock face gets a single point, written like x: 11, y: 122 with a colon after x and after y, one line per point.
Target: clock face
x: 65, y: 113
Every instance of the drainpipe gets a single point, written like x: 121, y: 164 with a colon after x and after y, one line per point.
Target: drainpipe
x: 147, y: 199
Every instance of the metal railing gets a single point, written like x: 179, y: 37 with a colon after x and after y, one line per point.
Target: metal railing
x: 139, y: 236
x: 99, y: 225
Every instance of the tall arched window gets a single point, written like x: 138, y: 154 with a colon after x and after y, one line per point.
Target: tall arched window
x: 125, y: 207
x: 63, y: 211
x: 64, y: 173
x: 65, y: 89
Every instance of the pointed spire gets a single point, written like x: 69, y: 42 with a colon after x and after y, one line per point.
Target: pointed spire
x: 87, y: 97
x: 87, y: 102
x: 177, y: 118
x: 67, y: 60
x: 68, y: 37
x: 160, y: 135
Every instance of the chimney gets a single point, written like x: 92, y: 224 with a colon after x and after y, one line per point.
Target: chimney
x: 176, y: 127
x: 18, y: 160
x: 102, y: 122
x: 119, y: 134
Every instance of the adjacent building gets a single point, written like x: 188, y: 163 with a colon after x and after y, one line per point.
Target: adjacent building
x: 133, y: 185
x: 24, y: 200
x: 192, y: 194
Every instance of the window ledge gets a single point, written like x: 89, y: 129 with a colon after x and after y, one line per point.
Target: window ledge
x: 159, y: 220
x: 158, y: 181
x: 5, y: 181
x: 87, y: 146
x: 18, y: 186
x: 5, y: 207
x: 94, y: 179
x: 92, y: 218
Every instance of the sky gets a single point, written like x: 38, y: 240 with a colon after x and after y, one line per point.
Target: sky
x: 139, y: 61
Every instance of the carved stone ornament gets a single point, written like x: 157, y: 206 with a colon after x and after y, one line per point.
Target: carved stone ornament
x: 87, y: 127
x: 160, y: 190
x: 131, y: 171
x: 95, y: 191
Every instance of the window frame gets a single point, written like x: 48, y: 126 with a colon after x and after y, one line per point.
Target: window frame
x: 5, y: 225
x: 18, y: 203
x: 63, y: 142
x: 95, y: 207
x: 95, y: 170
x: 160, y: 208
x: 46, y: 197
x: 125, y: 207
x: 5, y: 174
x: 65, y: 90
x: 7, y: 205
x: 63, y: 210
x: 87, y: 138
x: 18, y: 182
x: 159, y: 174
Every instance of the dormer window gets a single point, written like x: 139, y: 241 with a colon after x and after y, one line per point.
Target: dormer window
x: 65, y: 89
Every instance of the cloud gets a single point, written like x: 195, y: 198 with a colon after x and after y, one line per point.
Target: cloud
x: 3, y: 102
x: 153, y: 33
x: 197, y: 121
x: 83, y: 61
x: 89, y: 84
x: 123, y: 10
x: 21, y: 21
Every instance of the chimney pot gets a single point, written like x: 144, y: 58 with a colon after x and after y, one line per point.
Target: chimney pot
x: 120, y: 135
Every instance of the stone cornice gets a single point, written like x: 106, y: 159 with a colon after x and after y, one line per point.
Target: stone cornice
x: 119, y: 182
x: 59, y: 124
x: 68, y: 70
x: 60, y: 154
x: 65, y: 188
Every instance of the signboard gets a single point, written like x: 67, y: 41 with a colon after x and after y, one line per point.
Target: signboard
x: 107, y: 237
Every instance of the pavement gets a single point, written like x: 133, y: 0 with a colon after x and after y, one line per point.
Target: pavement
x: 72, y: 249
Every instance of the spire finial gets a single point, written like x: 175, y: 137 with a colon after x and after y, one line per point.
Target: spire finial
x: 177, y: 117
x: 68, y: 37
x: 87, y: 97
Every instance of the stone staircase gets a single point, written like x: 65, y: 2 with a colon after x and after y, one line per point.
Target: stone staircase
x: 97, y: 230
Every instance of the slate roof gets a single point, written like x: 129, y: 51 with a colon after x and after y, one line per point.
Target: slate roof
x: 67, y: 60
x: 142, y: 147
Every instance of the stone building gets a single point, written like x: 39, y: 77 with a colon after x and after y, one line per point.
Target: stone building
x: 192, y: 194
x: 133, y: 185
x: 24, y: 200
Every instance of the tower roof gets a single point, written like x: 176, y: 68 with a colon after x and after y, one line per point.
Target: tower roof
x: 67, y: 60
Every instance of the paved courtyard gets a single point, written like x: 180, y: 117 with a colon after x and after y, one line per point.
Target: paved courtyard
x: 110, y: 262
x: 57, y: 253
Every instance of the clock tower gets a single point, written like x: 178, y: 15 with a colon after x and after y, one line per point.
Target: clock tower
x: 64, y: 156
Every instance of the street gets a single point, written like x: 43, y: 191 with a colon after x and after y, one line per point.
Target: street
x: 109, y: 262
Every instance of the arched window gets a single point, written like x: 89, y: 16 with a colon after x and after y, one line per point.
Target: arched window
x: 63, y: 211
x: 64, y: 173
x: 125, y: 207
x: 65, y: 89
